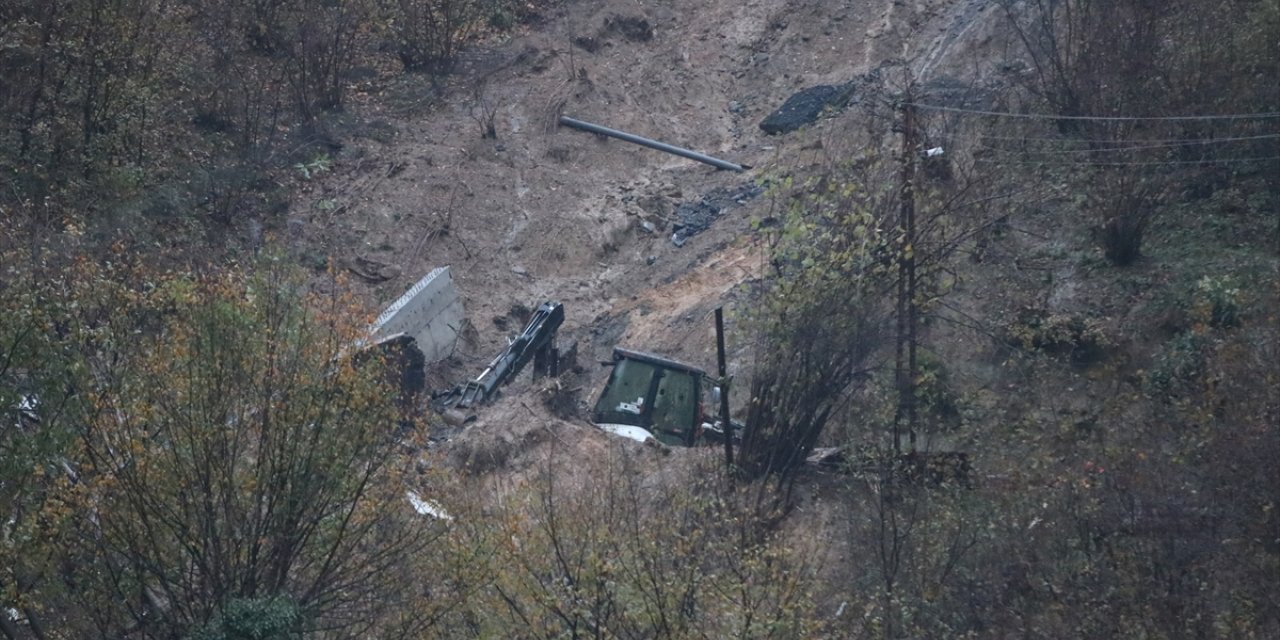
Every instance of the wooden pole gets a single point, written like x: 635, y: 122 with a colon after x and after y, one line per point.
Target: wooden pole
x: 724, y: 392
x: 905, y: 352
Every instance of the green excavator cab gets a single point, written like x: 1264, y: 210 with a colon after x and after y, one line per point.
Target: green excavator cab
x: 659, y: 396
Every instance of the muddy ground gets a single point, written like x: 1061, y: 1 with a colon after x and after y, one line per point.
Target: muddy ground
x: 541, y: 212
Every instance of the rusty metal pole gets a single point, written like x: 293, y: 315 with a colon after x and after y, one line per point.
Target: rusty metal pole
x: 725, y: 423
x: 652, y: 144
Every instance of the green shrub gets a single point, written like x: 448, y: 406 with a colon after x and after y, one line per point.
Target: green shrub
x: 274, y: 618
x: 1081, y: 339
x: 936, y: 396
x: 1216, y: 301
x: 1178, y: 366
x: 502, y: 19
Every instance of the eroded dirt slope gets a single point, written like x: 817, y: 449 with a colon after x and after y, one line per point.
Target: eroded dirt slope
x: 541, y: 212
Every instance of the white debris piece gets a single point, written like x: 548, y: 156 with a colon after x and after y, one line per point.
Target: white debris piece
x: 428, y: 507
x: 639, y: 434
x: 934, y: 152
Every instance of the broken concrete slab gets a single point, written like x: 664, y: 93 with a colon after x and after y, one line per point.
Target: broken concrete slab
x: 430, y: 312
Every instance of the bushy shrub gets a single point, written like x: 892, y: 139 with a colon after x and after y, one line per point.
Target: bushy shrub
x: 217, y: 444
x: 1082, y: 340
x: 274, y: 618
x: 625, y: 555
x: 427, y: 34
x: 1217, y: 301
x: 1178, y: 367
x: 821, y: 322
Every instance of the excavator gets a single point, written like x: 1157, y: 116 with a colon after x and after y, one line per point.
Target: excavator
x: 648, y: 398
x: 659, y: 401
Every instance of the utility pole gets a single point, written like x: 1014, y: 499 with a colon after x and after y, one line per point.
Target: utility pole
x: 725, y: 423
x: 905, y: 356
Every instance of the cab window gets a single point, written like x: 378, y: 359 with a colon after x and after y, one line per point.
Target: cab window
x: 625, y: 399
x: 676, y: 405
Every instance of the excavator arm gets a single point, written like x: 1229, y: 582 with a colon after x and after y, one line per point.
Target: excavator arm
x: 535, y: 344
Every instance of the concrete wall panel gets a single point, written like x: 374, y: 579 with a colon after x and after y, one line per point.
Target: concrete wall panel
x: 430, y: 312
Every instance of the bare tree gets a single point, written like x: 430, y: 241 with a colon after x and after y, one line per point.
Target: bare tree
x: 821, y: 316
x: 429, y: 33
x: 242, y: 456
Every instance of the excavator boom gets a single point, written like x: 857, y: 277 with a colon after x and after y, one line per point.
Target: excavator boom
x: 536, y: 343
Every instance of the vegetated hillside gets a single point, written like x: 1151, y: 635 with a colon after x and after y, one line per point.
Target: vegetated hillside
x: 1049, y: 352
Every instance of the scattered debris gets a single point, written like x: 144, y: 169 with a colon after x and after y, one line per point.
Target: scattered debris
x: 949, y: 91
x: 373, y: 271
x: 920, y: 466
x: 806, y: 106
x: 587, y: 43
x: 696, y: 216
x: 828, y: 458
x: 561, y: 400
x: 405, y: 366
x: 28, y: 410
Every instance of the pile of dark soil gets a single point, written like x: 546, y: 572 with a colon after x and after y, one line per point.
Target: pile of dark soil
x: 696, y: 216
x: 804, y: 107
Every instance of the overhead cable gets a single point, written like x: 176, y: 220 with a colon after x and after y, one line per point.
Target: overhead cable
x: 1126, y: 164
x: 1169, y: 145
x: 1156, y: 143
x: 1052, y: 116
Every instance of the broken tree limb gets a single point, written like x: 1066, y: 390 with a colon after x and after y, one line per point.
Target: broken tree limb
x: 652, y: 144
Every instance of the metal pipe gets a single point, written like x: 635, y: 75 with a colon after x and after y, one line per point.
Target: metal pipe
x: 652, y: 144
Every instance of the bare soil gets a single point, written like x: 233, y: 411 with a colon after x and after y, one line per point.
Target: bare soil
x: 544, y: 212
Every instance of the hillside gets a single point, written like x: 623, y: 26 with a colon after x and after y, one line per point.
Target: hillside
x: 546, y: 212
x: 1018, y: 280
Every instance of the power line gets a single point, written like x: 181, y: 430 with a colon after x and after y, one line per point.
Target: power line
x: 1126, y: 164
x: 1158, y: 143
x: 1050, y: 116
x: 1170, y: 145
